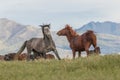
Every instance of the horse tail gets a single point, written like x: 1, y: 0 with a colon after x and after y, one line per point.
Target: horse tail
x: 22, y: 48
x: 20, y: 51
x: 94, y: 39
x: 90, y: 36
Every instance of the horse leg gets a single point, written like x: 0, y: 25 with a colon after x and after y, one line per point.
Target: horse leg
x: 56, y: 53
x: 44, y: 55
x: 79, y: 54
x: 28, y: 53
x: 87, y: 48
x: 73, y: 54
x: 40, y: 55
x: 87, y: 51
x: 35, y: 54
x: 28, y: 56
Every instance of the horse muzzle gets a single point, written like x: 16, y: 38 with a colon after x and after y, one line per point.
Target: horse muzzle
x: 58, y: 33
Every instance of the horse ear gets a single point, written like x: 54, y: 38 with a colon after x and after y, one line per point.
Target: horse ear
x: 49, y: 25
x: 40, y: 25
x: 67, y: 26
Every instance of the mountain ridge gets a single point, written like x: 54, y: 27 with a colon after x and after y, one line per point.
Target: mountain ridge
x: 14, y: 34
x: 106, y: 27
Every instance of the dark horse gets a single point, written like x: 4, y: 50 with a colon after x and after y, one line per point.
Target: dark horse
x: 95, y: 51
x: 78, y: 42
x: 40, y: 46
x: 9, y: 56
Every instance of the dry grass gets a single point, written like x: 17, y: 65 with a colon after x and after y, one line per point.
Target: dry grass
x: 90, y: 68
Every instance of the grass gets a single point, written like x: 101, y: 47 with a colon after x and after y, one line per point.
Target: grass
x: 90, y: 68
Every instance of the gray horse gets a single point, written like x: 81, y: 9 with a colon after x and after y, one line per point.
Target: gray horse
x: 40, y: 46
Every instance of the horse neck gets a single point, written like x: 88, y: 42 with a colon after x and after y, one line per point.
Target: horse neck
x: 48, y: 40
x: 70, y: 37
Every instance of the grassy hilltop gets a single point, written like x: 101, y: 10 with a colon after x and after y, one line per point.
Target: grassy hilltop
x: 89, y: 68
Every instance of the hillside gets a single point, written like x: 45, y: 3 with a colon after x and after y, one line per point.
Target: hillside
x: 106, y: 27
x: 13, y: 34
x: 108, y: 35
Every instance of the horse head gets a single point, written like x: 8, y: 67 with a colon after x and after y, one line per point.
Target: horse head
x: 67, y: 31
x: 97, y: 50
x: 9, y: 56
x: 45, y: 29
x: 45, y: 25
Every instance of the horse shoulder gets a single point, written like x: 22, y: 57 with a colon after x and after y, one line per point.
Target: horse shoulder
x: 75, y: 42
x: 36, y: 44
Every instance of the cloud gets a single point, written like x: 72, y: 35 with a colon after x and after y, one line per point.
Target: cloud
x: 59, y: 5
x: 75, y: 12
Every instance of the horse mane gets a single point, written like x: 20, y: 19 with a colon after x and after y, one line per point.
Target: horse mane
x: 73, y: 33
x: 88, y: 34
x: 90, y: 31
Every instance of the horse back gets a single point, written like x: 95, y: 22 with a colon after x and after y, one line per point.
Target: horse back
x: 81, y: 41
x: 89, y: 36
x: 36, y: 43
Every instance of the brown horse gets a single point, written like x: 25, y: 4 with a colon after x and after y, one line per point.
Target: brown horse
x: 22, y: 56
x: 50, y: 56
x: 1, y: 57
x: 9, y: 56
x: 79, y: 42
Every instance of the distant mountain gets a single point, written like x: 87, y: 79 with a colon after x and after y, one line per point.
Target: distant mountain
x: 9, y: 28
x: 108, y: 35
x: 13, y: 34
x: 102, y: 27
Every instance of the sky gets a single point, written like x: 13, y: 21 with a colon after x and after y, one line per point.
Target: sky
x: 58, y: 13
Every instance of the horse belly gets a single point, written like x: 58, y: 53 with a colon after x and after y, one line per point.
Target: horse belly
x: 38, y: 45
x: 79, y: 47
